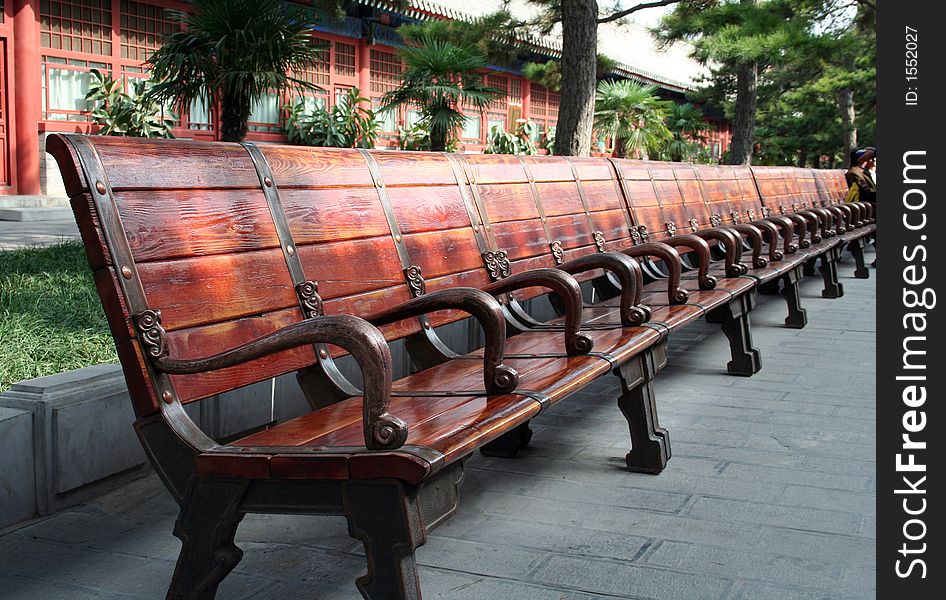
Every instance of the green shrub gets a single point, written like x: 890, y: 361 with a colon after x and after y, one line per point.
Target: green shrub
x: 348, y: 124
x: 417, y: 137
x: 119, y: 113
x: 500, y: 141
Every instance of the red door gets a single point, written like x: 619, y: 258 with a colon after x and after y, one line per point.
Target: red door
x: 4, y: 134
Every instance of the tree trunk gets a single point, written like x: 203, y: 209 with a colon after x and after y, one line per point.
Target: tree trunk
x: 438, y: 140
x: 743, y: 134
x: 620, y: 147
x: 846, y: 104
x: 234, y: 117
x: 579, y: 63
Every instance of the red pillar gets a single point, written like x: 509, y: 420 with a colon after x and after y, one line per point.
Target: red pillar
x: 526, y: 98
x: 27, y: 102
x: 364, y: 68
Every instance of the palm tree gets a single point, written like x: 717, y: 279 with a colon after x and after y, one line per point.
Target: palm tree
x: 686, y: 124
x: 633, y: 115
x: 440, y: 78
x: 230, y: 53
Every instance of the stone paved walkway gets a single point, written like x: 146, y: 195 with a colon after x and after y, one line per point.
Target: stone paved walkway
x: 23, y: 234
x: 769, y: 495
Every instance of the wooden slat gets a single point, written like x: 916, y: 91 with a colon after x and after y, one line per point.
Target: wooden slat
x: 165, y: 224
x: 433, y: 208
x: 134, y: 163
x: 333, y: 214
x: 444, y: 252
x: 413, y: 168
x: 300, y: 166
x: 205, y: 341
x: 350, y: 267
x: 197, y: 291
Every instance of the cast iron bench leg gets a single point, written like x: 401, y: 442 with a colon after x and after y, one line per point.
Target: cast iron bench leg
x: 206, y: 525
x: 829, y: 271
x: 392, y: 519
x: 734, y: 318
x: 650, y: 443
x: 857, y: 251
x: 508, y: 444
x: 809, y: 269
x: 797, y: 316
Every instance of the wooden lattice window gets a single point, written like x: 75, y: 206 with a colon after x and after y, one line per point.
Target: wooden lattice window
x: 538, y: 99
x: 552, y: 106
x: 77, y: 26
x: 344, y: 59
x: 386, y: 71
x: 497, y: 112
x: 501, y: 83
x: 320, y: 72
x: 143, y: 27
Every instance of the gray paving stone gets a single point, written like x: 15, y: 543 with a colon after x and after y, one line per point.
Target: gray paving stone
x: 769, y: 496
x: 769, y: 567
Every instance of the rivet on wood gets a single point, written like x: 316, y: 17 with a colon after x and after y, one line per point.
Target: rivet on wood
x: 100, y: 187
x: 426, y: 325
x: 126, y: 272
x: 268, y: 182
x: 397, y: 239
x: 290, y: 250
x: 167, y: 396
x: 323, y: 353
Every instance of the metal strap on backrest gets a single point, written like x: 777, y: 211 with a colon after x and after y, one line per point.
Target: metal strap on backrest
x: 476, y: 222
x: 146, y: 320
x: 755, y: 183
x: 310, y: 303
x: 634, y: 227
x: 706, y: 199
x: 597, y: 236
x: 413, y: 274
x: 386, y: 206
x: 555, y: 246
x: 494, y: 258
x: 683, y: 200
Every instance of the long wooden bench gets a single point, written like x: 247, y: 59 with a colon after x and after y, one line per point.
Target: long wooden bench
x: 860, y: 222
x: 220, y: 265
x: 796, y: 193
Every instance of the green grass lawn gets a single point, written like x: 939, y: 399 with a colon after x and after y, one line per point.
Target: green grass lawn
x: 50, y: 316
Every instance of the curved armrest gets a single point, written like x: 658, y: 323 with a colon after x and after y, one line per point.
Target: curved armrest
x: 827, y: 217
x: 868, y: 208
x: 498, y: 378
x: 822, y: 220
x: 754, y: 234
x: 857, y: 213
x: 702, y: 250
x: 628, y: 273
x: 843, y: 218
x: 566, y: 287
x: 774, y: 235
x: 668, y: 254
x: 383, y: 431
x: 805, y: 224
x: 787, y: 229
x: 868, y: 211
x: 732, y: 242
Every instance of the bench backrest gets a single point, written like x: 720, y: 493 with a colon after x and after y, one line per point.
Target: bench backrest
x: 225, y: 239
x: 832, y: 187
